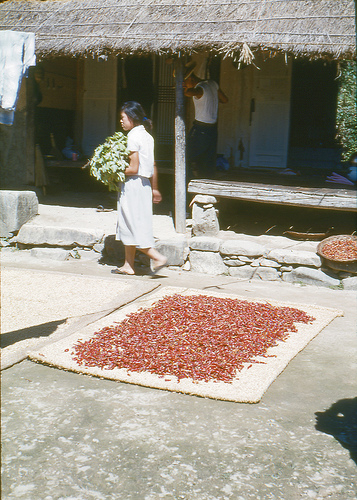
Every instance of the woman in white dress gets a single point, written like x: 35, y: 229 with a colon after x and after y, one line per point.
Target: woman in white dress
x: 138, y: 192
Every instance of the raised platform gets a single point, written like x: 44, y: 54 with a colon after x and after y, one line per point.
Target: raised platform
x: 314, y: 197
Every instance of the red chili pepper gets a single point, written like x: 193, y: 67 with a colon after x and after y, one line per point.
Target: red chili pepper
x: 343, y: 249
x: 198, y: 337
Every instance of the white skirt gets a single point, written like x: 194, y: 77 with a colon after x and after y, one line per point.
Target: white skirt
x: 134, y: 225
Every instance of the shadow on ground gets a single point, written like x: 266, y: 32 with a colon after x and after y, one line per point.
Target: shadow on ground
x: 340, y: 421
x: 32, y: 332
x: 113, y: 254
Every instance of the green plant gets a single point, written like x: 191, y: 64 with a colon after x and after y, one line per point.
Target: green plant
x: 346, y: 109
x: 110, y: 160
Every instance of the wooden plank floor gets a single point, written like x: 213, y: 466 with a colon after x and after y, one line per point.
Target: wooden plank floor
x: 314, y: 197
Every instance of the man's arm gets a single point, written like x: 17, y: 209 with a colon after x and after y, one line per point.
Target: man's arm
x: 198, y: 93
x: 193, y: 92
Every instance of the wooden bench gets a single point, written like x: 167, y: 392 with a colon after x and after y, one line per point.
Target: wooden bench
x: 325, y: 198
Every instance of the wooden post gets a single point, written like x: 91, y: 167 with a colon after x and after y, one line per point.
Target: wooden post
x: 180, y: 147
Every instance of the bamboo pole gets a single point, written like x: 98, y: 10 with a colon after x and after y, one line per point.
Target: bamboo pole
x: 180, y: 147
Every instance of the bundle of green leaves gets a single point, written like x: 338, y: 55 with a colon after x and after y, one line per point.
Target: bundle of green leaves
x: 110, y: 160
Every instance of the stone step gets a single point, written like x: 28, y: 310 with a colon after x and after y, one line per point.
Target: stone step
x: 35, y: 235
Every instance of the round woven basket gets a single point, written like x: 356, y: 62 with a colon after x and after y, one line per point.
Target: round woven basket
x: 348, y: 265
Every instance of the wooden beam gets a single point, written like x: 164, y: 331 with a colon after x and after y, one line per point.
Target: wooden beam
x: 327, y: 198
x: 180, y: 147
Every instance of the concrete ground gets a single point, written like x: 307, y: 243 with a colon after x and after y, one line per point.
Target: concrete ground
x: 68, y: 436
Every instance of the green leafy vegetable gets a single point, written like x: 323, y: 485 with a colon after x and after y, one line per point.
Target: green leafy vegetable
x: 110, y: 160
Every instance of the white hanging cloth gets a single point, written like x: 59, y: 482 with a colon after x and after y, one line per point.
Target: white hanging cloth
x: 17, y: 53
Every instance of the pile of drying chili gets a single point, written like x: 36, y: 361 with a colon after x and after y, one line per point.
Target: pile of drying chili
x: 343, y: 249
x: 199, y: 337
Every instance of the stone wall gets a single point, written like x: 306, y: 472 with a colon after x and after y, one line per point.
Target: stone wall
x: 236, y: 255
x: 267, y: 258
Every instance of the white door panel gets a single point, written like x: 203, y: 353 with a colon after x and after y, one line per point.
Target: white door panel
x: 99, y: 102
x: 270, y: 115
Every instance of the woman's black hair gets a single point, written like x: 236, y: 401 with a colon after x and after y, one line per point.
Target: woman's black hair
x: 136, y: 114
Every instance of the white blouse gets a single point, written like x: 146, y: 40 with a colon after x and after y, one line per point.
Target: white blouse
x: 141, y: 141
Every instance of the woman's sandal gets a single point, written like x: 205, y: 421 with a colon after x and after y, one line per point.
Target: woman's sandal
x: 119, y: 271
x: 156, y: 269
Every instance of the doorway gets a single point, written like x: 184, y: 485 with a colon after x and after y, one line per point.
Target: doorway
x: 136, y: 82
x: 313, y: 116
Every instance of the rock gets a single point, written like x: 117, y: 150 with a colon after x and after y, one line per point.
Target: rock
x: 50, y: 253
x: 350, y: 283
x: 205, y: 243
x: 286, y: 269
x: 310, y: 276
x: 187, y: 266
x: 302, y: 257
x: 242, y: 248
x: 267, y: 274
x: 204, y: 221
x: 233, y: 262
x: 269, y: 263
x: 244, y: 258
x: 163, y: 227
x: 255, y: 263
x: 32, y: 235
x: 16, y: 208
x: 245, y: 272
x: 204, y: 199
x: 174, y: 249
x: 207, y: 263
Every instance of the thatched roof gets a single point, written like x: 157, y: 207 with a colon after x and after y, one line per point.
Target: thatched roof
x: 315, y: 28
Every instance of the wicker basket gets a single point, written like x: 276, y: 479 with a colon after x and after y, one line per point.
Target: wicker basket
x: 349, y: 266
